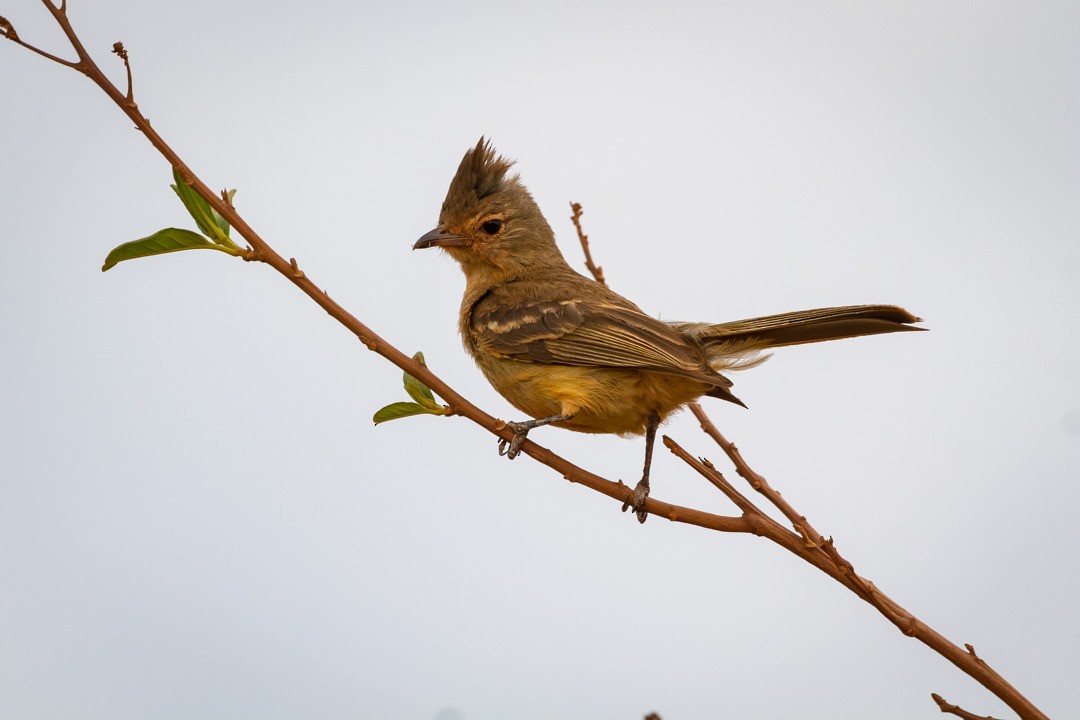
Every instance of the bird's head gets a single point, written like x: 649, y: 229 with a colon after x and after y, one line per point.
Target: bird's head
x: 489, y: 222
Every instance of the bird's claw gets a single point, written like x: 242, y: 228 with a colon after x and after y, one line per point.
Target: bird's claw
x: 511, y: 448
x: 636, y: 500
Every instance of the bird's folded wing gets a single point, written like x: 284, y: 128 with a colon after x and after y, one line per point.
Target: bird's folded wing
x: 588, y: 333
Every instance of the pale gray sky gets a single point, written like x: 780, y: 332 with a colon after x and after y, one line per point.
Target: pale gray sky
x: 198, y: 520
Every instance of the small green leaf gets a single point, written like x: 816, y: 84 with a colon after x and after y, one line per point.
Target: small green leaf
x: 417, y: 390
x: 210, y: 223
x: 393, y: 411
x: 425, y: 402
x: 163, y: 241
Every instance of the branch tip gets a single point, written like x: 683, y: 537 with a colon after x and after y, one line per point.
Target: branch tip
x: 947, y: 707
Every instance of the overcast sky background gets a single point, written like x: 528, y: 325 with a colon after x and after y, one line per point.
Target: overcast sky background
x: 198, y: 519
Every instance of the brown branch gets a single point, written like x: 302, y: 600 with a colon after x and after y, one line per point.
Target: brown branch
x: 947, y: 707
x: 260, y: 251
x: 806, y: 543
x: 756, y: 481
x: 8, y: 31
x: 843, y: 571
x: 811, y: 547
x: 118, y: 49
x: 759, y: 522
x: 597, y: 272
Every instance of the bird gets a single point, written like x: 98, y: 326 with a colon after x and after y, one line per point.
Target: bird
x: 570, y: 352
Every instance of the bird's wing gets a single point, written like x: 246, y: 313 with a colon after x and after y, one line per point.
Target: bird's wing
x: 591, y: 333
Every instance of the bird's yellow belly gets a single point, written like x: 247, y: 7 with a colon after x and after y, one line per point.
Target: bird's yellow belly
x: 601, y: 400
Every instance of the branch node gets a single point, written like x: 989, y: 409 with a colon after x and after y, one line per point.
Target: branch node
x: 810, y: 544
x: 7, y: 29
x: 754, y: 522
x: 974, y: 656
x: 296, y: 271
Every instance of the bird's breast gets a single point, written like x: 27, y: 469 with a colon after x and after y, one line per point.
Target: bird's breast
x: 601, y: 400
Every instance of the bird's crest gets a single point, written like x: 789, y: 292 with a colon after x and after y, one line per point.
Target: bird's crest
x: 481, y: 174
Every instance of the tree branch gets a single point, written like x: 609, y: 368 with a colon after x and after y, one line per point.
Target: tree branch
x: 947, y: 707
x: 597, y: 272
x: 805, y: 542
x: 822, y: 553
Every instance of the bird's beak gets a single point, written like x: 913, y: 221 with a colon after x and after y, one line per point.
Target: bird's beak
x: 439, y: 238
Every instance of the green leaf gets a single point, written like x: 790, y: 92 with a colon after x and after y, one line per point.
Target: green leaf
x: 417, y: 390
x: 393, y: 411
x: 425, y: 402
x: 210, y: 223
x: 163, y: 241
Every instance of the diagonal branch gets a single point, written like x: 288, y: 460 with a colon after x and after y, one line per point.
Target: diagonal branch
x: 260, y: 250
x: 948, y: 707
x: 809, y: 545
x: 8, y: 30
x: 806, y: 543
x: 756, y: 481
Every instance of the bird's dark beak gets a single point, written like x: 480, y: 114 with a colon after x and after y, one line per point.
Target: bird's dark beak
x: 439, y: 238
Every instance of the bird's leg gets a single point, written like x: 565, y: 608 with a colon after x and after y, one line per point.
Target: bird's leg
x: 521, y: 429
x: 637, y: 498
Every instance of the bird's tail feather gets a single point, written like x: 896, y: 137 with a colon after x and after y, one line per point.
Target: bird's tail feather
x: 738, y: 345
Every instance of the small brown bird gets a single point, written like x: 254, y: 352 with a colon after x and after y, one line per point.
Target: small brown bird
x: 570, y: 352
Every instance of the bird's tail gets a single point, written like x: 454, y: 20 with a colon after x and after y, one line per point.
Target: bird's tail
x: 739, y: 345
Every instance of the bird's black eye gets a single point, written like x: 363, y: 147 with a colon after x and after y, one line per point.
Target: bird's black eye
x: 492, y: 227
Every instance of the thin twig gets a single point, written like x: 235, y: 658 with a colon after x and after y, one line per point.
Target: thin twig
x: 947, y: 707
x: 118, y: 48
x: 810, y: 545
x: 597, y: 271
x: 823, y: 557
x: 8, y: 31
x: 756, y: 481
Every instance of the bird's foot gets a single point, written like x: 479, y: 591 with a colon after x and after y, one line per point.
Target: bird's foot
x: 511, y: 448
x: 636, y: 500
